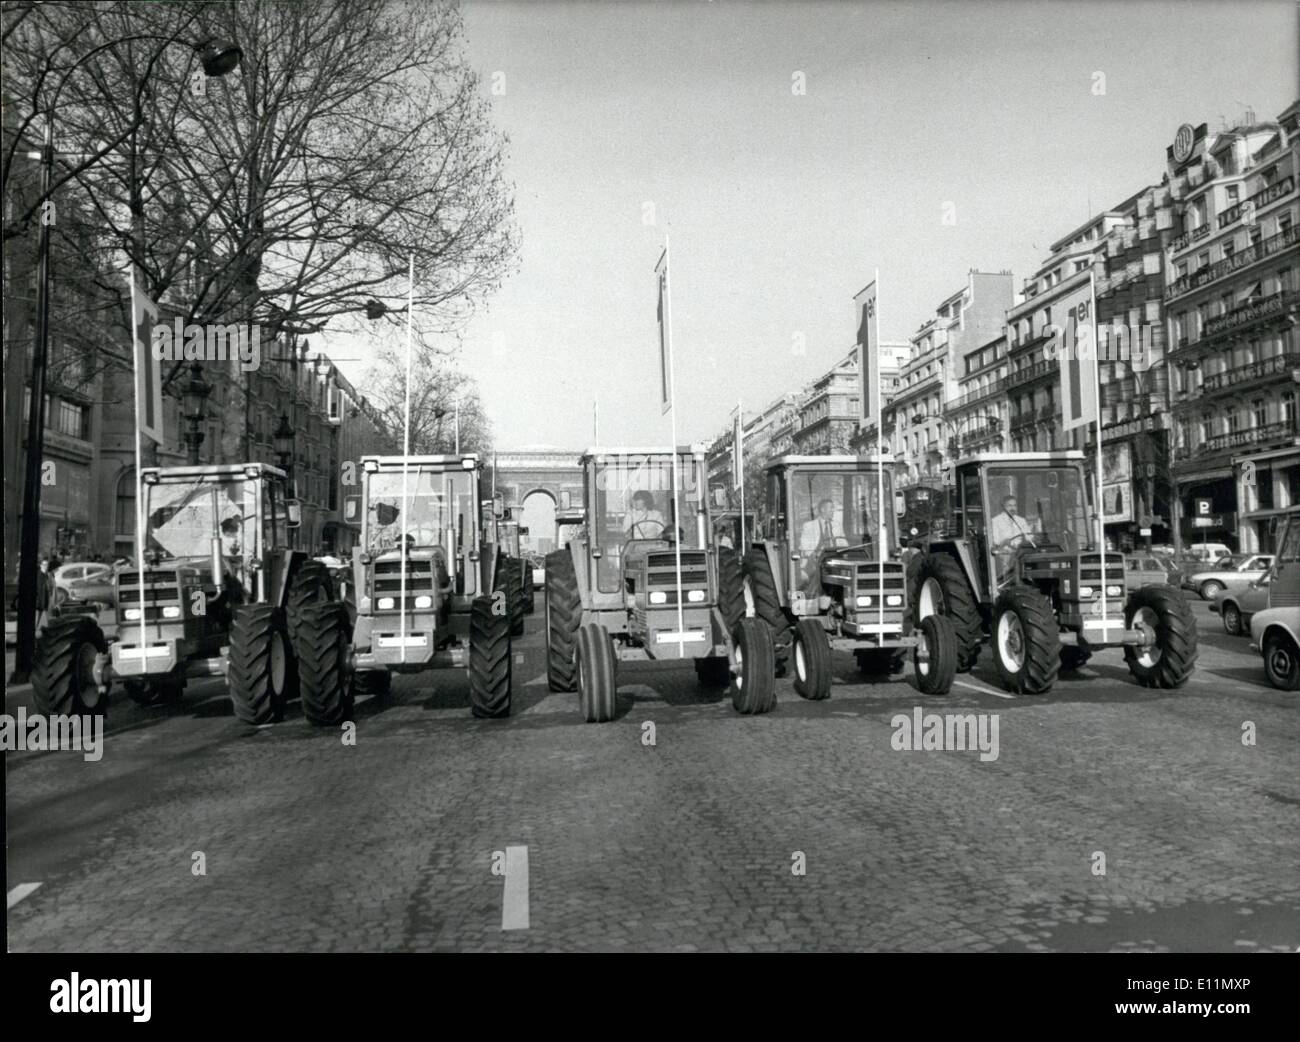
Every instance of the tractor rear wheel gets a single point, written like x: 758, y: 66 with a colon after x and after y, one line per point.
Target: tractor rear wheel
x: 731, y: 587
x: 489, y: 660
x: 261, y: 673
x: 1074, y: 657
x: 597, y: 674
x: 753, y: 680
x: 1164, y: 614
x: 153, y: 693
x: 761, y: 596
x: 1026, y: 641
x: 311, y: 584
x: 66, y: 668
x: 942, y: 589
x: 812, y: 661
x: 526, y: 582
x: 563, y: 616
x: 324, y: 639
x: 880, y: 662
x: 376, y: 682
x: 935, y: 657
x: 713, y: 672
x: 508, y: 581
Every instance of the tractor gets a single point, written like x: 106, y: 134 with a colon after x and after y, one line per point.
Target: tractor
x: 638, y: 583
x: 1022, y: 569
x: 430, y: 591
x: 222, y: 594
x: 514, y: 563
x: 821, y: 579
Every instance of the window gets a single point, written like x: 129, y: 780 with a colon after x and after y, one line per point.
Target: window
x: 1229, y: 248
x: 1259, y: 415
x: 1202, y: 260
x: 1233, y: 194
x: 72, y: 420
x: 1288, y: 409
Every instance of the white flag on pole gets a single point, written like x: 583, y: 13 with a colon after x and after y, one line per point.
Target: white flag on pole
x: 148, y: 370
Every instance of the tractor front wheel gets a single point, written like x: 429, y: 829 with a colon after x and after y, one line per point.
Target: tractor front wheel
x: 1169, y: 656
x: 66, y: 668
x: 1026, y: 641
x: 812, y: 661
x: 597, y: 674
x: 324, y: 640
x: 563, y: 616
x: 942, y: 589
x: 935, y: 657
x: 489, y: 660
x: 261, y: 670
x: 753, y: 680
x: 761, y: 596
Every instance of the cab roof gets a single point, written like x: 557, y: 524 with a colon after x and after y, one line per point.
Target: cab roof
x: 448, y: 461
x: 1060, y: 456
x: 832, y: 461
x: 212, y: 470
x: 659, y: 450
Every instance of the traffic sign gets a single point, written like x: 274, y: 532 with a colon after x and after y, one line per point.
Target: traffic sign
x: 1202, y: 507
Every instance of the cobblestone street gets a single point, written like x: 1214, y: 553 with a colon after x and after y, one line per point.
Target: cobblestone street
x: 693, y: 843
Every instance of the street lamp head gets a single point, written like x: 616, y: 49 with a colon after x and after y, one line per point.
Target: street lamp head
x: 283, y: 439
x: 218, y: 56
x: 195, y: 395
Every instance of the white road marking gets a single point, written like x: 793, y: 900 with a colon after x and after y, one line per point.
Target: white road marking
x: 514, y: 904
x: 981, y: 687
x: 19, y: 892
x: 536, y: 680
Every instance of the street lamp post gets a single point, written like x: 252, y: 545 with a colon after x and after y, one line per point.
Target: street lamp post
x: 218, y: 57
x: 194, y: 407
x: 282, y: 440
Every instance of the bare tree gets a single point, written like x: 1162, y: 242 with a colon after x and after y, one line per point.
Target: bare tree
x: 442, y: 399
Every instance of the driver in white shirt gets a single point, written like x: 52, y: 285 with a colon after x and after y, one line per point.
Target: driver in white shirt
x: 1008, y: 532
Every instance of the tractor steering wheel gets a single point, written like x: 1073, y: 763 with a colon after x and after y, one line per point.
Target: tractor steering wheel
x: 632, y: 532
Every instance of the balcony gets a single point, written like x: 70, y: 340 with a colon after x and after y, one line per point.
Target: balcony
x: 1252, y: 254
x: 1033, y: 372
x: 1269, y: 194
x: 1020, y: 421
x: 1189, y: 238
x: 1240, y: 377
x: 1252, y: 436
x: 971, y: 397
x: 1241, y: 320
x: 1048, y: 412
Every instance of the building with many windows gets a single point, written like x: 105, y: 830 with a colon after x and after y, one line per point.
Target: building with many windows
x: 830, y: 411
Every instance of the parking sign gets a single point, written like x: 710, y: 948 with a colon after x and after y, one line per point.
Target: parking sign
x: 1204, y: 507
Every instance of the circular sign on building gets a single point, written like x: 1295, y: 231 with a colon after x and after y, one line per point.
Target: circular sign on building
x: 1183, y: 142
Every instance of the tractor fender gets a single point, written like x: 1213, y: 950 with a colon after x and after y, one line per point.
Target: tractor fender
x: 780, y: 568
x: 284, y: 565
x: 577, y: 549
x: 961, y: 550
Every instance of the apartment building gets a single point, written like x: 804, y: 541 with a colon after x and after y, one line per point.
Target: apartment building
x: 830, y: 411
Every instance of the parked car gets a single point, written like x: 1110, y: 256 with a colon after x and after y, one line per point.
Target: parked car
x: 1237, y: 604
x: 1275, y: 634
x: 1207, y: 551
x: 1237, y: 570
x: 1145, y: 570
x: 84, y: 581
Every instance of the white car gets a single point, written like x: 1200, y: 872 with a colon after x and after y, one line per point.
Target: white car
x: 1275, y: 633
x: 1242, y: 569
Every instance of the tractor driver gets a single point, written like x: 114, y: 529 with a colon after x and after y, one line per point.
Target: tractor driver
x: 1009, y: 532
x: 816, y: 535
x: 643, y: 521
x: 230, y: 544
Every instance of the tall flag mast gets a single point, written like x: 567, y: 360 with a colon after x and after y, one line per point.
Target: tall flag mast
x: 406, y: 441
x: 668, y: 394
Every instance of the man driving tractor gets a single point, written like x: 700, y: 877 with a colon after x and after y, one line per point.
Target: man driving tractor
x: 1009, y: 532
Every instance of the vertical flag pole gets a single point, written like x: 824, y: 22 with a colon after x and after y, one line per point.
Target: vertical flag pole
x: 406, y: 445
x: 457, y: 418
x: 136, y: 361
x: 1101, y: 506
x: 740, y: 466
x: 595, y: 421
x: 880, y: 462
x: 672, y: 409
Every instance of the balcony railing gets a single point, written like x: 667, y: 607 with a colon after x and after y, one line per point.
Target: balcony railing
x: 1240, y: 320
x: 1213, y: 272
x: 1187, y: 238
x: 1250, y: 372
x: 1032, y: 372
x: 1251, y: 436
x: 1022, y: 420
x: 1270, y: 193
x: 971, y: 397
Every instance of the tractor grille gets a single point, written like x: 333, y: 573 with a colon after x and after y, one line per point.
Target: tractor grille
x: 160, y: 589
x: 1090, y: 569
x: 868, y: 579
x: 661, y: 571
x: 386, y: 582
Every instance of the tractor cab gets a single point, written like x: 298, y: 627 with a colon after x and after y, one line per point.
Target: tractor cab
x: 733, y: 530
x: 923, y: 512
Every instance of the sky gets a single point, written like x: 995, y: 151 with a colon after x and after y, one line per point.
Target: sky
x: 628, y: 123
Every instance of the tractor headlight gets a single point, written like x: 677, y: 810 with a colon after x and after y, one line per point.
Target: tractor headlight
x: 387, y: 603
x: 170, y: 611
x: 424, y: 602
x: 864, y: 602
x: 1114, y: 591
x: 1085, y: 591
x: 131, y: 614
x: 894, y: 600
x: 658, y: 597
x: 695, y: 596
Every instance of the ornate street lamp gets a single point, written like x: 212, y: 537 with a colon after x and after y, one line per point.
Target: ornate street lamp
x: 282, y: 439
x: 194, y: 400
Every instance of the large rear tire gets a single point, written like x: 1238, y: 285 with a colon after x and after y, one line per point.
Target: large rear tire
x: 324, y: 640
x: 311, y: 584
x: 812, y: 661
x: 1166, y: 615
x: 942, y: 589
x: 761, y: 594
x: 597, y: 674
x: 563, y: 616
x: 753, y: 679
x: 731, y: 588
x: 526, y: 582
x: 935, y: 657
x: 509, y: 582
x: 1026, y: 641
x: 261, y: 669
x: 66, y: 668
x: 489, y: 660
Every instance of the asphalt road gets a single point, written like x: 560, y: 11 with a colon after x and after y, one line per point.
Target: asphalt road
x: 802, y: 829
